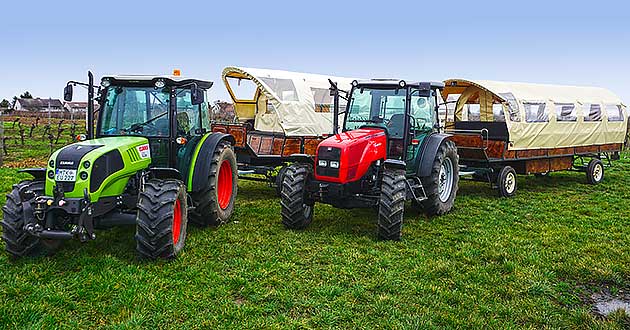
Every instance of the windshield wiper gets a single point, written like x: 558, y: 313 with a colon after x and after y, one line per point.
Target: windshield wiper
x: 138, y: 126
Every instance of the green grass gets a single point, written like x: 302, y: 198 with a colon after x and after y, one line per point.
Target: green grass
x: 491, y: 263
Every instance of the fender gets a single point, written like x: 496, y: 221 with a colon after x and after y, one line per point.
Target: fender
x: 165, y: 173
x: 200, y: 165
x: 38, y: 173
x: 302, y: 158
x: 395, y: 164
x: 429, y: 150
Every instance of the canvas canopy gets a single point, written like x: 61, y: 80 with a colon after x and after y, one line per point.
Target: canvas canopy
x: 539, y: 116
x: 292, y: 103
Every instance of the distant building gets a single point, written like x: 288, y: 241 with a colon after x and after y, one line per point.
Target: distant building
x: 75, y: 106
x: 38, y: 104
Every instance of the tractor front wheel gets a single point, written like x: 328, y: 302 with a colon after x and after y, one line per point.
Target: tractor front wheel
x: 297, y: 209
x: 441, y: 186
x: 391, y: 206
x: 18, y: 242
x: 214, y: 204
x: 162, y: 219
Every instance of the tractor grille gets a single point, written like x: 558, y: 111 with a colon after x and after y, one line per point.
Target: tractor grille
x: 105, y: 166
x: 133, y: 154
x: 328, y: 154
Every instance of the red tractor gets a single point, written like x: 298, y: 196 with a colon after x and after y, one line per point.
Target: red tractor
x: 390, y: 150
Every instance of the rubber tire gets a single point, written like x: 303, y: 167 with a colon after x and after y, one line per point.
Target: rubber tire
x: 19, y: 243
x: 297, y: 210
x: 154, y: 220
x: 502, y: 176
x: 207, y: 211
x: 590, y: 171
x: 391, y: 205
x: 433, y: 205
x: 278, y: 180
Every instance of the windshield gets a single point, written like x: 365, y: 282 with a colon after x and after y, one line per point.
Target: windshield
x: 387, y: 107
x: 135, y: 111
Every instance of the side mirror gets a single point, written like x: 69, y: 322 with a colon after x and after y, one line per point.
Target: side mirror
x: 67, y: 93
x: 196, y: 95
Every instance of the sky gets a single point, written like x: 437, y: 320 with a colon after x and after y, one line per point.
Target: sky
x: 557, y: 42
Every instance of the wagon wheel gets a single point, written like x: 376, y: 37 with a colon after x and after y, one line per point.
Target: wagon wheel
x: 595, y: 171
x: 506, y: 180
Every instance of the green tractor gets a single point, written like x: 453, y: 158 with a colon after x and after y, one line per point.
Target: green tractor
x: 152, y: 162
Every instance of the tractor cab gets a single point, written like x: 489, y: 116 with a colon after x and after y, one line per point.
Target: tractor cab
x: 144, y: 105
x: 406, y: 112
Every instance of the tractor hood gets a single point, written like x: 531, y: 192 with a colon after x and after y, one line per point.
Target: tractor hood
x: 347, y: 156
x: 89, y: 164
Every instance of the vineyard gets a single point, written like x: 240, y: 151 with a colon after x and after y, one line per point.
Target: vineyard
x: 28, y: 141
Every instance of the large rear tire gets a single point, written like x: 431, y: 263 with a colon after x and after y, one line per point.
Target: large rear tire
x: 391, y: 206
x: 214, y: 204
x: 279, y: 179
x: 18, y: 242
x: 162, y: 219
x: 441, y: 186
x: 297, y: 209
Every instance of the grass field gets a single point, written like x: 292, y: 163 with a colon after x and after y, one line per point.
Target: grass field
x: 527, y: 262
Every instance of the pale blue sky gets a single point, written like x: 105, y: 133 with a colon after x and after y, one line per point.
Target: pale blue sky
x: 573, y: 42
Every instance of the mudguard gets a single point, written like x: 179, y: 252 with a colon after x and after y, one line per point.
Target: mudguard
x: 165, y: 173
x: 38, y: 173
x: 395, y: 164
x: 302, y: 158
x: 429, y: 151
x: 202, y: 159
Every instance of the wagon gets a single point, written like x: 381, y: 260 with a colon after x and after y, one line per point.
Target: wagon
x: 280, y: 113
x: 503, y: 129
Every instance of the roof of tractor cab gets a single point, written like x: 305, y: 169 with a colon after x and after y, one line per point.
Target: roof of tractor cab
x: 168, y: 79
x: 396, y: 82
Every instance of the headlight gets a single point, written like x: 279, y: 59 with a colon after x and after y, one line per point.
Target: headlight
x: 355, y: 83
x: 86, y: 164
x: 83, y: 175
x: 51, y: 174
x: 334, y: 164
x: 402, y: 83
x: 105, y: 83
x: 322, y: 163
x: 51, y: 163
x: 159, y: 84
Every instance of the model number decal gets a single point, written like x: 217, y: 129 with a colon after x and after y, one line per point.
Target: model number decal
x: 144, y: 151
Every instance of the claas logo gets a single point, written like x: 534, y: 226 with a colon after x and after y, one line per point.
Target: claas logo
x: 143, y: 148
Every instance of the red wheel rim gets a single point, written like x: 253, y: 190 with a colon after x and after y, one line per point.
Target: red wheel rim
x: 224, y: 184
x: 177, y: 221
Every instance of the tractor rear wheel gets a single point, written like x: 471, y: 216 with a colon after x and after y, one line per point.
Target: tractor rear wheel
x: 441, y: 186
x: 162, y: 219
x: 214, y: 204
x: 18, y: 242
x: 391, y: 206
x: 297, y: 209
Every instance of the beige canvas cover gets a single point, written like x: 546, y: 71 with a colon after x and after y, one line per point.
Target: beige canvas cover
x: 541, y: 116
x: 293, y: 103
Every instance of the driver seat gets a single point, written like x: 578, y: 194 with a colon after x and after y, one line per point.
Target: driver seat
x: 396, y: 126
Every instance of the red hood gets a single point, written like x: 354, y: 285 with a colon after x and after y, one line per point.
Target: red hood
x: 351, y: 137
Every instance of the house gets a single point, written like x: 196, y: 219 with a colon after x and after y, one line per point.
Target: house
x: 38, y: 104
x: 76, y: 106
